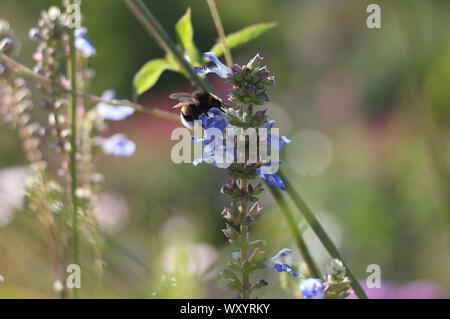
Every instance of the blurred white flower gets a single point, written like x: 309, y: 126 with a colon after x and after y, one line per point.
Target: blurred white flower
x: 194, y: 259
x: 112, y: 212
x: 176, y: 227
x: 2, y: 279
x: 12, y: 192
x: 58, y: 286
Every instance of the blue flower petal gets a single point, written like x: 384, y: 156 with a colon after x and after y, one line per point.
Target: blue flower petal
x: 272, y: 179
x: 213, y: 69
x: 214, y: 145
x: 119, y: 145
x: 80, y: 32
x: 113, y: 112
x: 269, y: 125
x: 108, y: 95
x: 277, y: 142
x: 214, y: 119
x: 220, y: 69
x: 312, y: 288
x: 281, y: 254
x: 274, y: 140
x: 214, y: 59
x: 283, y: 267
x: 85, y: 46
x: 277, y: 264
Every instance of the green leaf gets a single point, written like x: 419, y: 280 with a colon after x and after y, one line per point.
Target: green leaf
x: 185, y: 37
x: 149, y: 74
x: 243, y: 36
x: 233, y: 281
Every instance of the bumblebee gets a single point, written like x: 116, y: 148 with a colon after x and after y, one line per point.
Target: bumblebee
x: 195, y: 104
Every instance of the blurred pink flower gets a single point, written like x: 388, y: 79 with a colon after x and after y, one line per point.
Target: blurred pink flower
x: 112, y: 213
x: 420, y: 289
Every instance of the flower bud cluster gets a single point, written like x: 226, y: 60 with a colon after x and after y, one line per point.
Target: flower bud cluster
x: 249, y: 89
x: 249, y: 83
x: 14, y: 110
x: 337, y: 285
x: 52, y: 38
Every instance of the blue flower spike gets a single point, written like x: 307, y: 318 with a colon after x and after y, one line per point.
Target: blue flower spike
x: 113, y: 112
x: 119, y: 145
x: 220, y: 69
x: 312, y: 288
x: 277, y: 263
x: 83, y: 44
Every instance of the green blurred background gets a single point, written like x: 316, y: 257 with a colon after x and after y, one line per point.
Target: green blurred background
x: 368, y: 113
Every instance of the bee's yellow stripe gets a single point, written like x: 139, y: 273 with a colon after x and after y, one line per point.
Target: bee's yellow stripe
x: 210, y: 99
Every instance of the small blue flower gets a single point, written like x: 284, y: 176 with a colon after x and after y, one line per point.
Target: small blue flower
x: 281, y: 254
x: 214, y: 149
x: 216, y: 155
x: 220, y: 69
x: 113, y: 112
x: 119, y: 145
x: 277, y: 263
x: 312, y: 288
x: 274, y: 140
x: 214, y: 146
x: 267, y: 172
x: 214, y: 118
x: 82, y: 43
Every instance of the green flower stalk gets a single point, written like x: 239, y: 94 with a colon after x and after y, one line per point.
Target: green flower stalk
x: 44, y: 195
x: 64, y: 201
x: 249, y: 90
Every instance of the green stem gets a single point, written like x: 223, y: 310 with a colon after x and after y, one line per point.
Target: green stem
x: 154, y: 28
x: 301, y: 245
x: 320, y: 232
x: 220, y: 31
x: 73, y: 153
x: 244, y: 245
x: 19, y: 68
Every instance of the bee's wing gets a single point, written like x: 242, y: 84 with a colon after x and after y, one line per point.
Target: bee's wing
x: 179, y: 105
x: 181, y: 96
